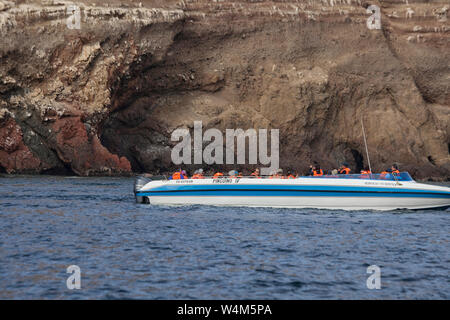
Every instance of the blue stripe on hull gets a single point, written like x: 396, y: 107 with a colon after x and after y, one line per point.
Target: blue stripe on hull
x: 295, y: 193
x: 232, y: 187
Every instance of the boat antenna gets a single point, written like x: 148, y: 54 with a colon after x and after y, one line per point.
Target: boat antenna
x: 365, y: 143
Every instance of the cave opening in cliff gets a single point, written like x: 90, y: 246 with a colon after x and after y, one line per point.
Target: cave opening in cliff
x: 65, y: 170
x: 359, y: 160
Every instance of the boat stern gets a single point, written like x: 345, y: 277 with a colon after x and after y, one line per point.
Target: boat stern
x: 139, y: 183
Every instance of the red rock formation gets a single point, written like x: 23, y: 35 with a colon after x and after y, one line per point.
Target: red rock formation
x: 15, y: 156
x: 85, y: 154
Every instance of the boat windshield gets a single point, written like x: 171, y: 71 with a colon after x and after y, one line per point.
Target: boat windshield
x: 403, y: 176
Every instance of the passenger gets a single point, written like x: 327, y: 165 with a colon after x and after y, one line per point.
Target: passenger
x: 394, y: 169
x: 198, y: 174
x: 272, y: 175
x: 290, y: 175
x: 317, y: 172
x: 365, y: 173
x: 240, y: 175
x: 218, y: 175
x: 280, y: 174
x: 312, y: 167
x: 181, y: 174
x: 386, y: 174
x: 277, y: 174
x: 344, y: 169
x: 232, y: 173
x: 255, y: 174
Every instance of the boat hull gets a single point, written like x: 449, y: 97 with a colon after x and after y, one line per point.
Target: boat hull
x: 333, y: 203
x: 297, y: 193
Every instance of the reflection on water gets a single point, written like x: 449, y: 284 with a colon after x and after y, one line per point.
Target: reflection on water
x: 129, y: 250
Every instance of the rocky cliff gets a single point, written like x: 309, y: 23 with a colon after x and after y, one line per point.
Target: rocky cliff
x: 104, y: 98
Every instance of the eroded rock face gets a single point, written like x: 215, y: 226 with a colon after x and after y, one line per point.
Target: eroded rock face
x: 15, y: 156
x: 104, y: 99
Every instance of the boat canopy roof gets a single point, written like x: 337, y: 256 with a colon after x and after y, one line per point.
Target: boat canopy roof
x: 402, y: 176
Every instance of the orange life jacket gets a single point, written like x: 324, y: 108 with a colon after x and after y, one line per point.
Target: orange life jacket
x: 365, y: 174
x: 291, y: 176
x: 176, y: 175
x: 198, y: 176
x: 217, y: 175
x: 317, y: 173
x: 383, y: 174
x: 396, y: 171
x: 344, y: 171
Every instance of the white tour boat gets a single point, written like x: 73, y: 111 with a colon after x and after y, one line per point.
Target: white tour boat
x: 346, y: 192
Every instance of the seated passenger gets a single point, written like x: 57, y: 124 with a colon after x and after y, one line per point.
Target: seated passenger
x: 233, y: 173
x: 277, y: 174
x: 240, y: 175
x: 218, y: 175
x: 317, y: 172
x: 198, y: 174
x: 312, y: 168
x: 394, y: 169
x: 290, y: 175
x: 280, y: 174
x: 272, y: 174
x: 365, y: 173
x: 386, y: 174
x: 255, y: 174
x: 181, y: 174
x: 344, y: 169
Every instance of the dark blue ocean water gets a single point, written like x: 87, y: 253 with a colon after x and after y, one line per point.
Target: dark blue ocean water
x: 129, y: 250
